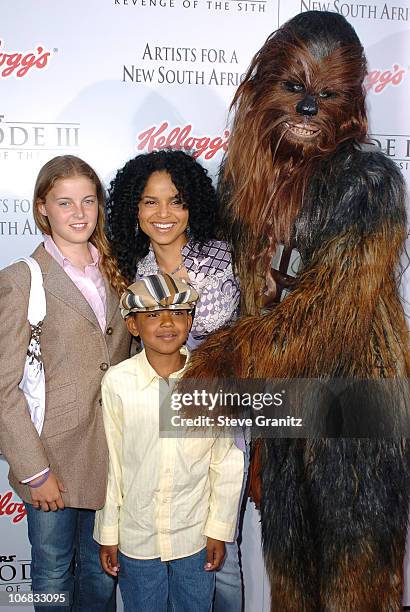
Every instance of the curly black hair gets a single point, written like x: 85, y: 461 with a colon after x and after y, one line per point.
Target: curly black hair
x: 128, y: 243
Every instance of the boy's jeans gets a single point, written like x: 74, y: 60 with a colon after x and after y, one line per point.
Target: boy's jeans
x: 58, y: 541
x: 152, y: 585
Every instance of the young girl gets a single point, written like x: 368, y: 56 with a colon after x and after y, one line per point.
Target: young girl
x: 61, y: 474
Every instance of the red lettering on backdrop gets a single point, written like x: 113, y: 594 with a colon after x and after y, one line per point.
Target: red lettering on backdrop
x: 13, y: 509
x: 21, y: 63
x: 148, y: 137
x: 377, y: 80
x: 179, y: 138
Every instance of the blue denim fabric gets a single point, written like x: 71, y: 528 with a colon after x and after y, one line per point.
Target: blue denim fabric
x: 64, y: 557
x: 228, y: 580
x: 152, y: 585
x: 228, y: 587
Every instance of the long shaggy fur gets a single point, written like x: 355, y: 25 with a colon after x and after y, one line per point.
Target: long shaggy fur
x: 334, y: 511
x: 266, y: 172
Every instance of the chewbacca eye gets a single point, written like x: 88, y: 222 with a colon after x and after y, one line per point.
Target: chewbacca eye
x: 326, y: 94
x: 293, y: 87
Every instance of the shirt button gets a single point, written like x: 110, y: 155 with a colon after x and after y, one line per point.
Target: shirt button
x: 100, y: 401
x: 168, y: 471
x: 109, y: 331
x: 166, y: 500
x: 104, y: 366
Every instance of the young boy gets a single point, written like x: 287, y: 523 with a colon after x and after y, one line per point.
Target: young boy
x: 171, y: 502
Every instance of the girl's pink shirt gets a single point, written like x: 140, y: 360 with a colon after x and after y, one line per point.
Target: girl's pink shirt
x: 89, y: 281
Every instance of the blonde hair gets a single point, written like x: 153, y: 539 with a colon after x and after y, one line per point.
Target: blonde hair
x: 67, y: 166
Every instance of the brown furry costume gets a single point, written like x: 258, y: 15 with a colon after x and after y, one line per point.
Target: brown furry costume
x: 334, y: 511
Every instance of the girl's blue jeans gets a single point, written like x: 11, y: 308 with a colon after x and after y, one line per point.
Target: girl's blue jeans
x: 64, y: 558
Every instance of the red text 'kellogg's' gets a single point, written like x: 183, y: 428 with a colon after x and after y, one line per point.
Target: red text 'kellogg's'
x: 19, y: 63
x: 155, y: 138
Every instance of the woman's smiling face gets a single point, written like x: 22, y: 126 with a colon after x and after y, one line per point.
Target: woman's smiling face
x: 161, y: 213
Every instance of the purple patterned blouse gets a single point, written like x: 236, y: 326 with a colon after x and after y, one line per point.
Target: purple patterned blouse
x: 210, y: 272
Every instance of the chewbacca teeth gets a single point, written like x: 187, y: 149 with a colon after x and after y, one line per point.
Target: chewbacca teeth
x: 301, y: 131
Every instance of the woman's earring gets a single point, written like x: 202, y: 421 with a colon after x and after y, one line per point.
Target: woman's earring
x: 137, y: 227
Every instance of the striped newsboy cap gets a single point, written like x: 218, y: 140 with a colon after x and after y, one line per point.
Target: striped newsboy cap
x: 158, y: 292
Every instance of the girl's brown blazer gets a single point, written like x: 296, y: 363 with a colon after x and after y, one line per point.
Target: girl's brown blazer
x: 76, y: 354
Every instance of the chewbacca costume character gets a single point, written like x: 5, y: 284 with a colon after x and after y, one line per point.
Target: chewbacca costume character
x: 334, y: 510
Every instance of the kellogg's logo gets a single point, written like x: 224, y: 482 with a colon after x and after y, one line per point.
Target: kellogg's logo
x: 378, y: 80
x: 155, y: 138
x: 20, y: 63
x: 15, y: 510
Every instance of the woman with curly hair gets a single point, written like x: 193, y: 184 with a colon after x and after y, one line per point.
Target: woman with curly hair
x: 162, y: 216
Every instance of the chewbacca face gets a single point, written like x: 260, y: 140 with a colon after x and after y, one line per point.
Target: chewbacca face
x: 307, y: 85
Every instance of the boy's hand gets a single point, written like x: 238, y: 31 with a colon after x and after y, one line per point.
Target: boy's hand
x: 48, y: 496
x: 215, y: 550
x: 109, y: 559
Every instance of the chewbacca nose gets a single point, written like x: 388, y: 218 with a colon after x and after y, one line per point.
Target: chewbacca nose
x: 307, y: 106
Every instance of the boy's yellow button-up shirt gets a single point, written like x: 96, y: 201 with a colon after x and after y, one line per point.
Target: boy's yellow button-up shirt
x: 164, y: 495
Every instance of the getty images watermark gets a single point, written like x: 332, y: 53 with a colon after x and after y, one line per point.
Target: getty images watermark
x: 293, y: 408
x: 207, y: 400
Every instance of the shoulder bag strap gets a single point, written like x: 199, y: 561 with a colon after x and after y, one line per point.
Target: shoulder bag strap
x: 37, y: 300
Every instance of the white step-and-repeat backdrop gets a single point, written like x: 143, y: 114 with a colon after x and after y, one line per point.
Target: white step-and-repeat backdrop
x: 106, y: 79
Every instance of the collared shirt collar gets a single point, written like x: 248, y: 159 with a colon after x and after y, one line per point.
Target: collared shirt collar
x: 61, y: 259
x: 148, y: 374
